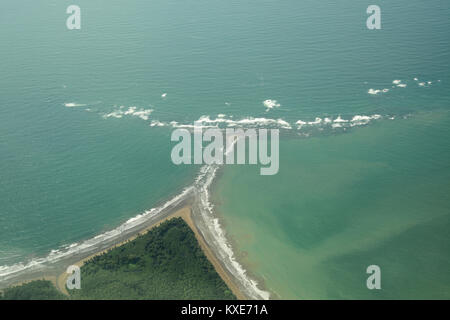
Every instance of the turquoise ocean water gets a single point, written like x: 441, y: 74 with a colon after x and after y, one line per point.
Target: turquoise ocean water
x: 86, y: 117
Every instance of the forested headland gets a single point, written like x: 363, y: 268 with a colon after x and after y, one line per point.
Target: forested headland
x: 164, y: 263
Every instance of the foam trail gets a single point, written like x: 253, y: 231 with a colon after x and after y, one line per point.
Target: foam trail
x: 221, y: 121
x: 144, y: 114
x: 339, y: 122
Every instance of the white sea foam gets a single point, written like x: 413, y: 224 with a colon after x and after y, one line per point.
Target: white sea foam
x: 144, y: 114
x: 271, y: 104
x: 400, y: 84
x: 114, y: 114
x: 73, y: 105
x: 300, y: 123
x: 339, y: 122
x: 424, y: 83
x: 377, y: 91
x: 222, y: 121
x: 157, y: 123
x: 359, y: 118
x: 316, y: 121
x: 362, y: 120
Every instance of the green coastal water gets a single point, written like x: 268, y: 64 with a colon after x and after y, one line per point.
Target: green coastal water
x: 86, y: 118
x: 376, y: 196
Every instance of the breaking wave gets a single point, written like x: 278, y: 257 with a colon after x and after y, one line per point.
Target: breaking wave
x: 401, y: 84
x: 222, y: 121
x: 144, y: 114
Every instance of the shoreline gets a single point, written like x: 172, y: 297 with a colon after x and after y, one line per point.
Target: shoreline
x: 233, y: 243
x: 193, y: 205
x: 185, y: 213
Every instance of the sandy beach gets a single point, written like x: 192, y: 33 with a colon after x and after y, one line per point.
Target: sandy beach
x: 185, y: 214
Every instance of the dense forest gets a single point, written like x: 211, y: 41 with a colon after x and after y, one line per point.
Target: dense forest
x: 34, y: 290
x: 165, y: 263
